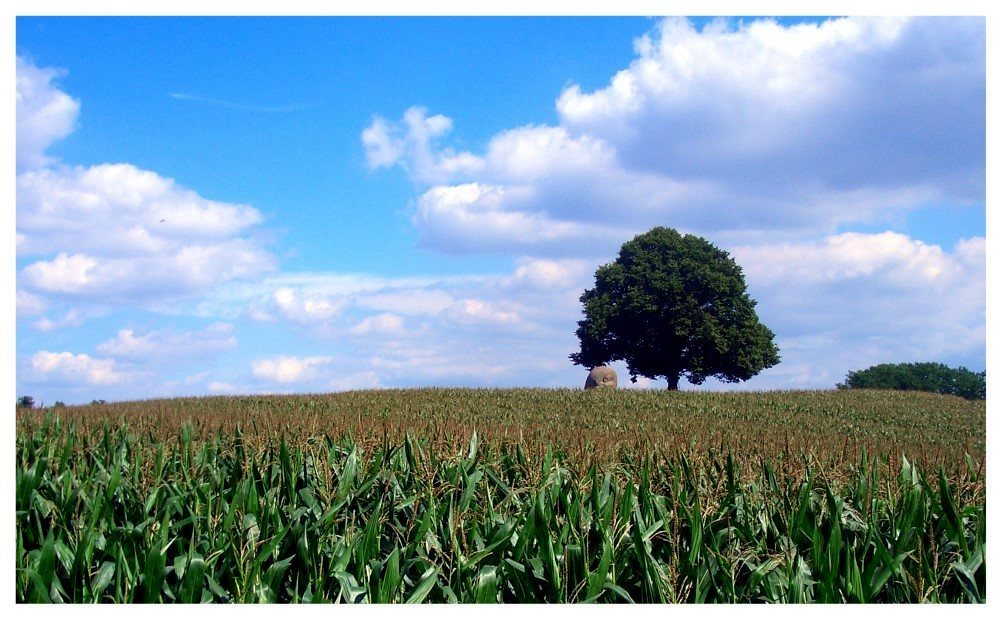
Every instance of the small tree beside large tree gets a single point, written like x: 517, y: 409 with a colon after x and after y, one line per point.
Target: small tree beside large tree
x: 929, y: 377
x: 673, y: 306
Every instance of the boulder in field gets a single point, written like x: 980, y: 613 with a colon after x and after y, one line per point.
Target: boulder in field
x: 600, y: 377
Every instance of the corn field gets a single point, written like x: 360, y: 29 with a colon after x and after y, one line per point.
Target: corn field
x: 485, y: 496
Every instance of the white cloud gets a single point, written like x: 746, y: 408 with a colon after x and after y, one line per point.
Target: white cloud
x: 29, y: 304
x: 381, y: 324
x: 170, y: 344
x: 196, y: 378
x: 72, y: 318
x: 851, y: 300
x: 115, y: 233
x: 72, y: 368
x: 528, y: 153
x: 115, y: 280
x: 410, y: 144
x: 474, y: 310
x: 328, y: 301
x: 304, y: 309
x: 289, y: 369
x: 45, y: 114
x: 893, y: 258
x: 382, y: 148
x: 514, y: 328
x: 545, y: 274
x: 767, y: 138
x: 837, y: 303
x: 66, y: 273
x: 848, y: 103
x: 477, y: 217
x: 127, y: 210
x: 221, y: 388
x: 756, y: 130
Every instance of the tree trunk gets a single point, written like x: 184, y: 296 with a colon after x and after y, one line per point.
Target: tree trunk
x: 672, y: 381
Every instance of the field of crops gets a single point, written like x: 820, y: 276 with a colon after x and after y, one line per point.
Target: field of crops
x: 523, y: 495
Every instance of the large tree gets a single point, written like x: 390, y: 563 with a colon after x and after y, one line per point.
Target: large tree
x: 673, y: 306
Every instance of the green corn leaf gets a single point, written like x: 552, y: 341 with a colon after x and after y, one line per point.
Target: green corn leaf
x: 597, y: 579
x: 350, y: 591
x: 952, y: 518
x: 485, y: 589
x: 618, y: 591
x: 216, y: 589
x: 965, y: 572
x: 424, y: 586
x: 193, y: 579
x: 102, y: 579
x: 347, y: 474
x: 391, y: 581
x: 271, y: 580
x: 269, y: 549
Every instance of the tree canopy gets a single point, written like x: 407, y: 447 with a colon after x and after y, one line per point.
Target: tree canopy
x: 672, y: 306
x: 930, y: 377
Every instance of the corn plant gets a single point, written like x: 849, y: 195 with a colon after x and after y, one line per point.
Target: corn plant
x: 110, y: 509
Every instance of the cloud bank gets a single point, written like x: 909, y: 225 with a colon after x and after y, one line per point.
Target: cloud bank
x: 757, y: 130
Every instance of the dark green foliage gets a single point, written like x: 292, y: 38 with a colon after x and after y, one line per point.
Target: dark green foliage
x: 929, y: 377
x: 673, y: 306
x: 26, y: 401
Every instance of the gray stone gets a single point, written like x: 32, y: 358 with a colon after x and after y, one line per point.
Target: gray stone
x: 601, y: 377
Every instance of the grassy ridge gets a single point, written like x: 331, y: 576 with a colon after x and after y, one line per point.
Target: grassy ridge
x: 545, y: 496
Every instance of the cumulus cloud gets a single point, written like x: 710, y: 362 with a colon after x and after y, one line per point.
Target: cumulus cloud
x: 852, y: 300
x: 29, y: 304
x: 382, y: 324
x: 77, y: 369
x: 45, y: 114
x: 546, y: 274
x: 392, y: 307
x: 331, y: 301
x: 410, y: 144
x: 129, y: 211
x: 221, y: 388
x: 304, y: 308
x: 474, y: 217
x: 115, y: 280
x: 846, y: 104
x: 113, y: 232
x: 505, y: 329
x: 71, y: 318
x: 170, y: 344
x: 289, y: 369
x: 475, y: 311
x: 747, y: 129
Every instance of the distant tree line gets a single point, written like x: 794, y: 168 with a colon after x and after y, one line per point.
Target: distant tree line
x: 930, y: 377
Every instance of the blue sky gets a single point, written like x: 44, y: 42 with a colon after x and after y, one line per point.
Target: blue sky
x: 232, y: 205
